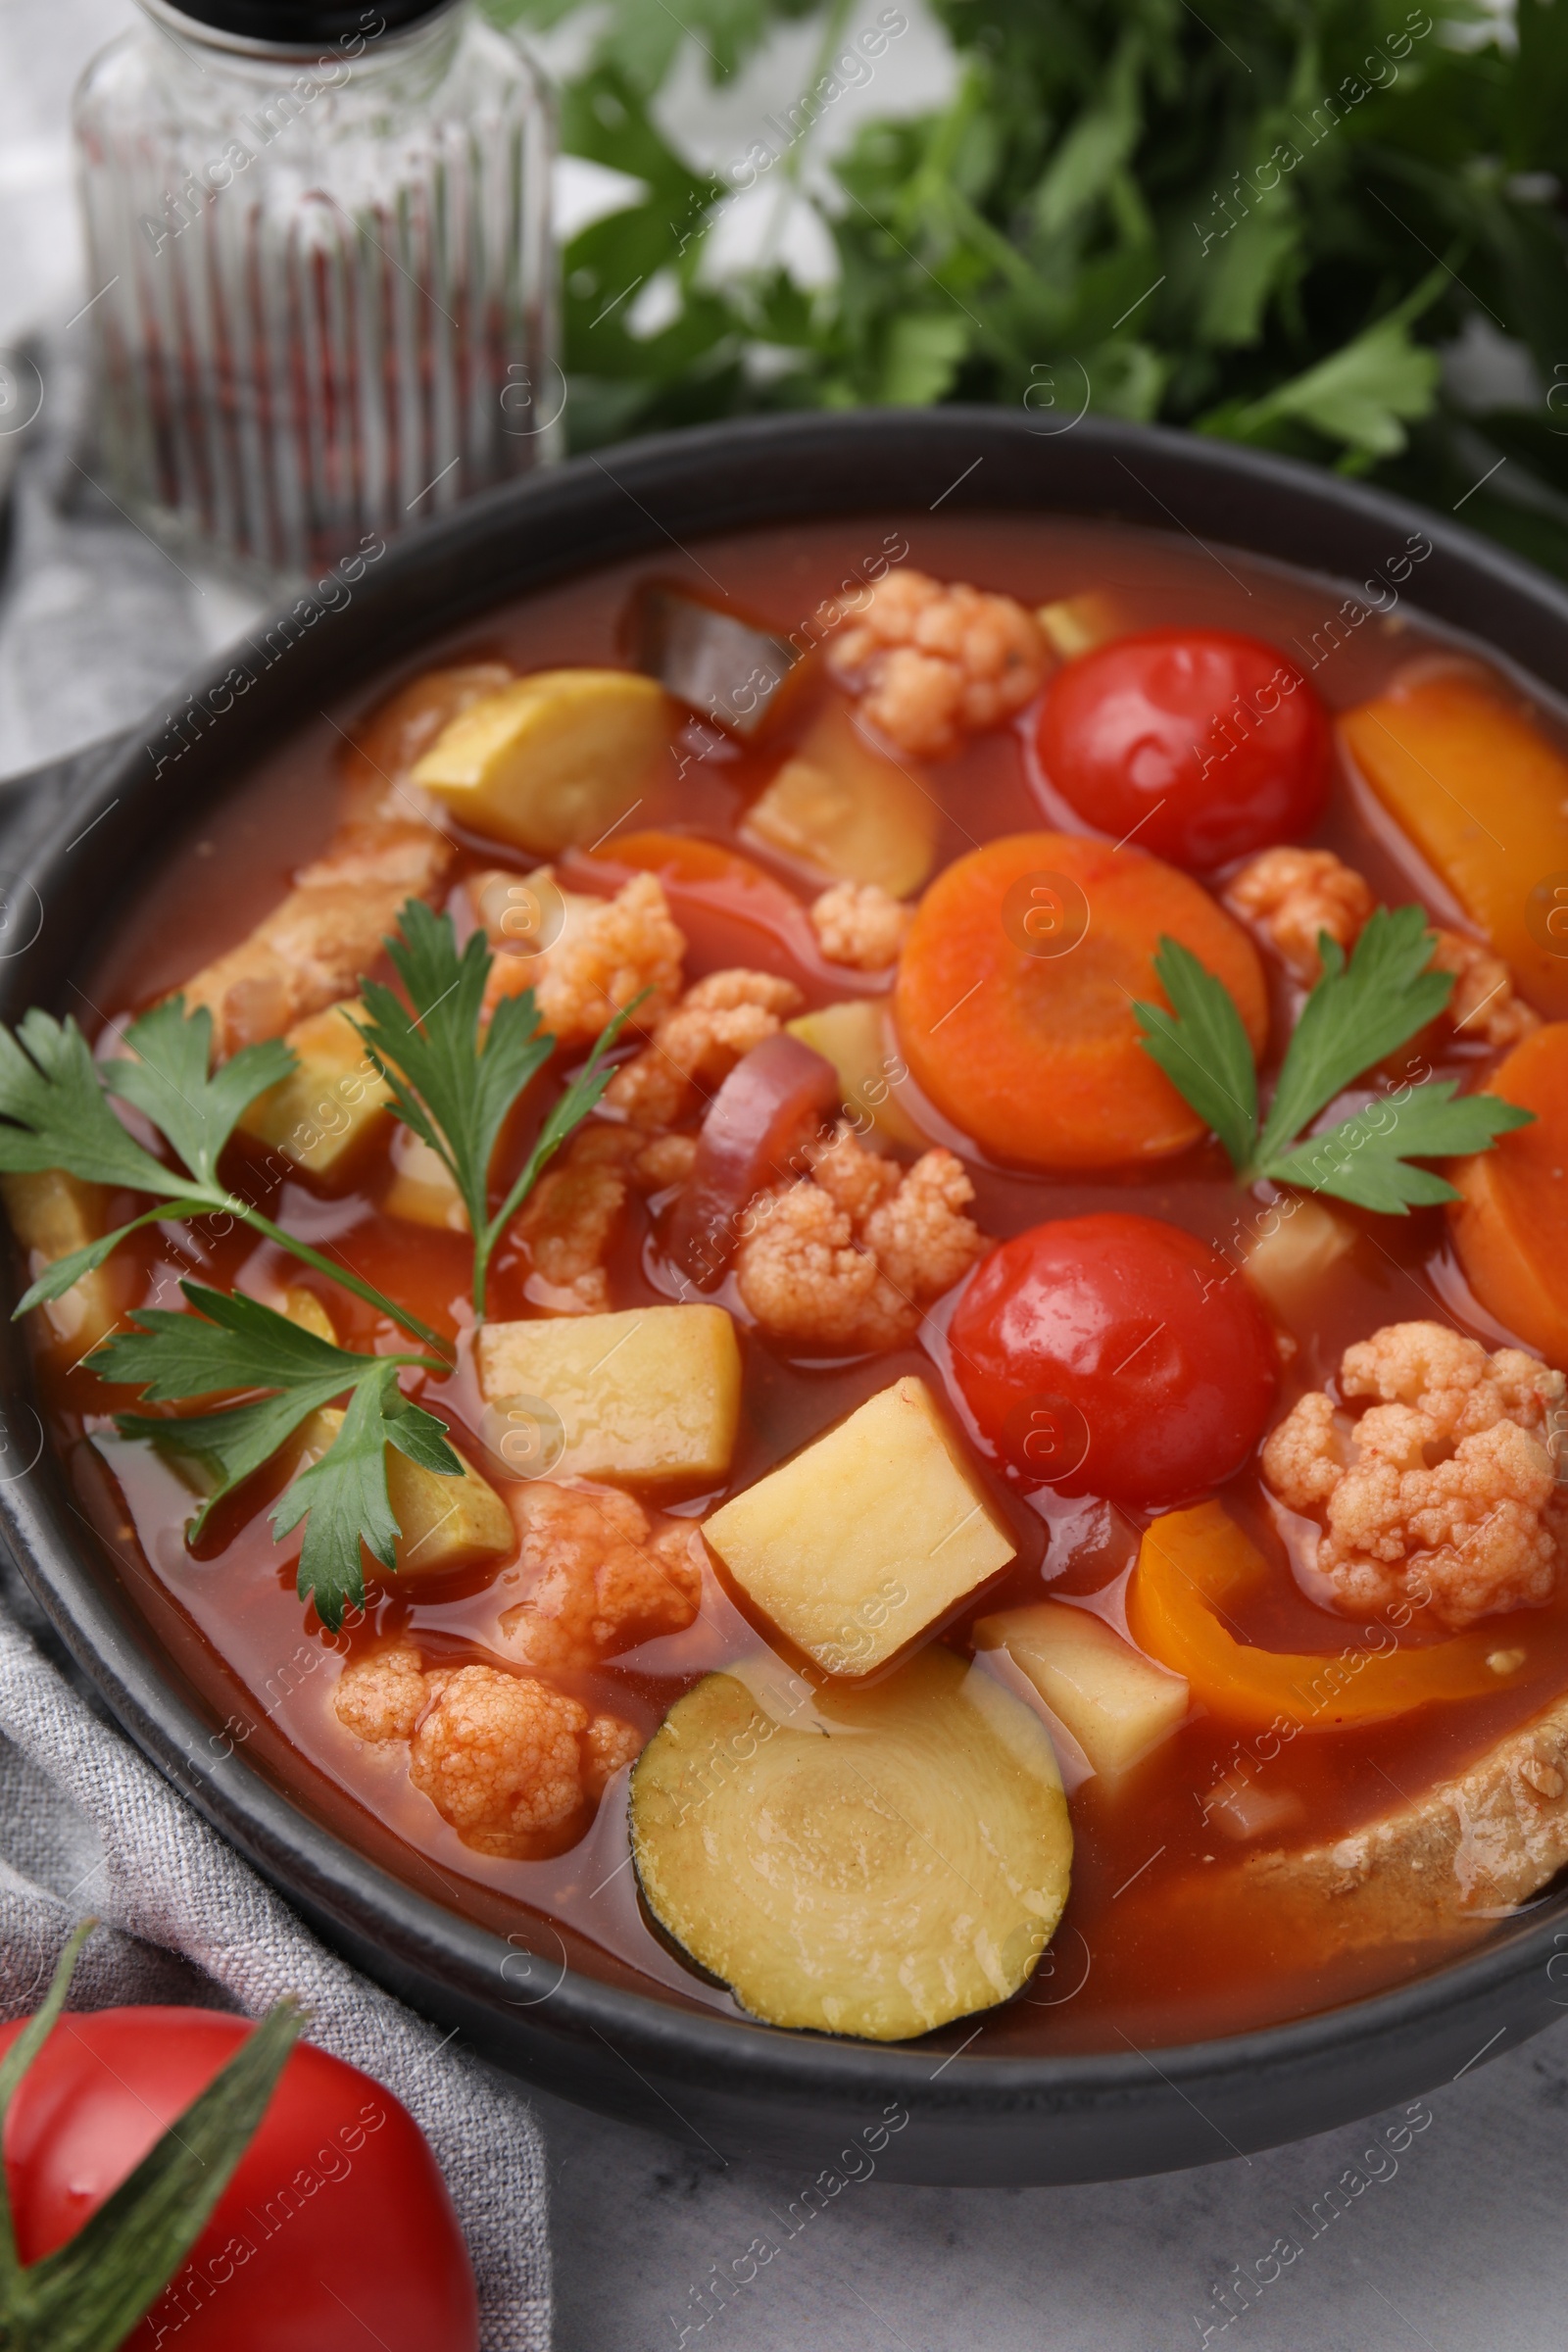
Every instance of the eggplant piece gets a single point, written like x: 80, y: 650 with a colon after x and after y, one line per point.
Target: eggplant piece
x: 724, y: 667
x: 874, y: 1862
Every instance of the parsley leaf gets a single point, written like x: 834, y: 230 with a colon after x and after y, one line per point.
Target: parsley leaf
x: 1203, y: 1049
x: 168, y: 1081
x: 1364, y: 1157
x: 1357, y: 1014
x: 456, y: 1085
x: 345, y: 1492
x: 52, y: 1101
x: 232, y: 1342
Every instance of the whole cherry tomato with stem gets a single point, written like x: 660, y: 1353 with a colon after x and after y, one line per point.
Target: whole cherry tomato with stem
x: 1205, y: 745
x: 270, y: 2194
x: 1118, y: 1355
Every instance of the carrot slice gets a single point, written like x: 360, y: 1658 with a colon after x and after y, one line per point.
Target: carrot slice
x: 1195, y: 1566
x: 1510, y: 1222
x: 1481, y: 794
x: 1014, y: 997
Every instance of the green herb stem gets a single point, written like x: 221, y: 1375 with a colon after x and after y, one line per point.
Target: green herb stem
x: 348, y: 1280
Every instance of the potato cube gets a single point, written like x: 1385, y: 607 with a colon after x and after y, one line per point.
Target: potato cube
x: 876, y: 1529
x: 444, y: 1523
x: 302, y: 1306
x: 52, y: 1214
x: 848, y: 811
x: 332, y: 1105
x: 552, y: 762
x: 856, y: 1039
x: 1116, y: 1704
x: 1287, y: 1263
x: 651, y: 1397
x: 1076, y: 624
x: 422, y: 1188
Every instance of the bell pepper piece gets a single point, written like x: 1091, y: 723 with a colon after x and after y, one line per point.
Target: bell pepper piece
x: 1196, y: 1566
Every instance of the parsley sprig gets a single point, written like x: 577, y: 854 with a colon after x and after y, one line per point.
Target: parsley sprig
x: 1360, y: 1011
x: 454, y: 1080
x: 55, y: 1114
x: 455, y: 1083
x: 232, y: 1342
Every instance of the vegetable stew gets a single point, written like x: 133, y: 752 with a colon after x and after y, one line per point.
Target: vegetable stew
x: 838, y: 1288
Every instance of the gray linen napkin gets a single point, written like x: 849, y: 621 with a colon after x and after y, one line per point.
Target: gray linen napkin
x: 87, y: 1826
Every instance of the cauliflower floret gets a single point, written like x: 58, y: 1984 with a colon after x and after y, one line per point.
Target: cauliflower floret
x: 1290, y: 896
x: 572, y: 1218
x: 1482, y: 1005
x: 667, y: 1159
x: 804, y: 1278
x: 934, y: 662
x: 697, y: 1046
x: 851, y: 1254
x: 920, y: 1235
x: 1293, y: 895
x: 508, y: 1761
x: 381, y: 1697
x: 607, y: 951
x: 568, y: 1227
x: 605, y: 1576
x: 859, y: 1181
x: 609, y: 1744
x: 860, y: 924
x: 1444, y: 1491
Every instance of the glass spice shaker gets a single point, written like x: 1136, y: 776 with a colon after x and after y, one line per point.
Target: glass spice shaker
x: 321, y: 273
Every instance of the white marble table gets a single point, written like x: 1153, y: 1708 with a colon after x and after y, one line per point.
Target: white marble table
x: 1464, y: 2244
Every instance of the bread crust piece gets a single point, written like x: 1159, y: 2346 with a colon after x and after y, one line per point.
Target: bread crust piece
x: 1473, y: 1846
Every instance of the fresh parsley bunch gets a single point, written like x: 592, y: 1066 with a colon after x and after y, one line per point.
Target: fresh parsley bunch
x: 1358, y: 1013
x: 455, y: 1081
x: 1262, y: 218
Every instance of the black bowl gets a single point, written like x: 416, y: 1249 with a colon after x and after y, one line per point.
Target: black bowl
x: 741, y: 2089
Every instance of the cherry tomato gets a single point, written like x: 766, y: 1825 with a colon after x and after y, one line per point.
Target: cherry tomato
x: 1115, y: 1356
x: 1208, y: 745
x: 335, y: 2229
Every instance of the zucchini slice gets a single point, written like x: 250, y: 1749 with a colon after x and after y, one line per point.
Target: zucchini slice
x: 873, y: 1862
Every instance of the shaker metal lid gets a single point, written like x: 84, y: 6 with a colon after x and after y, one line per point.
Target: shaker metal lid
x: 301, y: 24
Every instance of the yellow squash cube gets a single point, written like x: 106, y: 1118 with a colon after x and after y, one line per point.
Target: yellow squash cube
x: 1116, y: 1704
x: 445, y: 1523
x: 865, y: 1537
x: 552, y: 762
x: 330, y: 1105
x: 857, y: 1038
x: 52, y: 1214
x: 849, y: 811
x: 651, y: 1397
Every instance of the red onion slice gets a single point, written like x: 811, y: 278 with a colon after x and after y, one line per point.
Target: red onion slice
x: 771, y: 1105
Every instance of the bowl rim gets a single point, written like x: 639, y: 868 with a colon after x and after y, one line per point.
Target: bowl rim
x: 311, y: 1863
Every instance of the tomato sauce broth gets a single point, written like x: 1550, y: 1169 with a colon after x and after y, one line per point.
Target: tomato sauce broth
x: 1160, y: 1940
